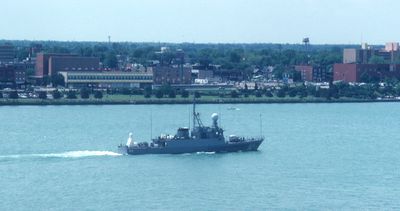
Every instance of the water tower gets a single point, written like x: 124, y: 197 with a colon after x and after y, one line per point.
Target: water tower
x: 306, y: 42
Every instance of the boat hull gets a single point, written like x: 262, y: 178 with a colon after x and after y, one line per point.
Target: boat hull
x: 217, y: 148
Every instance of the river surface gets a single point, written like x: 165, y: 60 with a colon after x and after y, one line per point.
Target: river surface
x: 316, y: 156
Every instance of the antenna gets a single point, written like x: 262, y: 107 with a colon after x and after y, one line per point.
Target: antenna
x: 261, y: 125
x: 189, y: 115
x: 194, y: 111
x: 151, y: 124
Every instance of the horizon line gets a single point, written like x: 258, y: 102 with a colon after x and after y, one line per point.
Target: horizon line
x: 183, y: 42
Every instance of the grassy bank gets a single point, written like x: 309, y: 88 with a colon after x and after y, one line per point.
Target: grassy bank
x: 139, y: 99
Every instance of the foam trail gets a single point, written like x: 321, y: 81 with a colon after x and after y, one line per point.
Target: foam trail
x: 205, y: 153
x: 69, y: 154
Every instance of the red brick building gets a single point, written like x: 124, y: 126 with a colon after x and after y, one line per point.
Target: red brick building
x: 73, y: 63
x: 12, y: 75
x: 355, y: 72
x: 49, y: 64
x: 7, y: 53
x: 306, y: 72
x: 172, y: 75
x: 206, y: 74
x: 345, y: 72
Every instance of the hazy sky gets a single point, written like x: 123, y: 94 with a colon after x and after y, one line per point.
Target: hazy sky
x: 233, y: 21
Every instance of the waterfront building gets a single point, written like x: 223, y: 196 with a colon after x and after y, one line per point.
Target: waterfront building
x: 7, y: 54
x: 12, y: 76
x: 111, y: 79
x: 314, y: 73
x: 361, y: 72
x: 306, y: 72
x: 50, y: 64
x: 364, y: 55
x: 358, y: 65
x: 172, y: 74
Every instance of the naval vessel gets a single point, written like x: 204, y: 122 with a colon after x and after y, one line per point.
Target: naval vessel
x: 199, y: 139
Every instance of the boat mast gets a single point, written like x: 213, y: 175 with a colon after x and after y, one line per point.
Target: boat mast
x: 194, y: 111
x: 151, y: 124
x: 261, y: 125
x: 196, y: 115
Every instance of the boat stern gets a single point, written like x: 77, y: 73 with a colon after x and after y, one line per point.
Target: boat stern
x: 123, y: 149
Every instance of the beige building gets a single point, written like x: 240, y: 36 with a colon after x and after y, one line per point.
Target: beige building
x: 112, y: 79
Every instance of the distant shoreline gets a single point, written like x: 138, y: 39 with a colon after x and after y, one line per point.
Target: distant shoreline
x: 166, y: 101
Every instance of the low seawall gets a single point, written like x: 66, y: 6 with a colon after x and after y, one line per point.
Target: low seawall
x: 20, y: 102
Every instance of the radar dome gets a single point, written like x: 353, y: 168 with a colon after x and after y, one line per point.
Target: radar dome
x: 214, y: 117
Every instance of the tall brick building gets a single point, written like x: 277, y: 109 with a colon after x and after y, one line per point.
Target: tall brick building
x: 172, y: 75
x: 306, y: 72
x: 7, y: 53
x: 49, y: 64
x: 12, y: 75
x: 314, y: 73
x: 358, y: 64
x: 355, y: 72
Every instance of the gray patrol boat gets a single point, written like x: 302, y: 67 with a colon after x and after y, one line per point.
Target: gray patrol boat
x: 200, y: 139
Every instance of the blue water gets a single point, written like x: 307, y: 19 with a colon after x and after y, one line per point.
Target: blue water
x: 316, y: 156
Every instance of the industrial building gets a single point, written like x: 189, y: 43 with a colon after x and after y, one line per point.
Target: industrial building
x: 363, y: 55
x: 112, y: 79
x: 360, y: 72
x: 306, y: 72
x: 172, y: 75
x: 358, y: 65
x: 12, y: 76
x: 314, y: 73
x: 7, y: 54
x: 50, y: 64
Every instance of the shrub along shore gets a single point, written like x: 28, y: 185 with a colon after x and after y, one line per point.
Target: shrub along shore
x: 118, y: 100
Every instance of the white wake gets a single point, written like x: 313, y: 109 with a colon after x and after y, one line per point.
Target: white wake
x: 69, y: 154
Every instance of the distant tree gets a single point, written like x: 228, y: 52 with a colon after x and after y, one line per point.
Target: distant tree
x: 1, y: 95
x: 296, y: 76
x: 159, y: 93
x: 30, y: 72
x: 255, y: 86
x: 317, y: 93
x: 376, y: 60
x: 292, y: 92
x: 136, y: 91
x: 234, y: 94
x: 111, y: 60
x: 147, y: 92
x: 42, y: 95
x: 46, y: 80
x: 311, y: 90
x: 98, y: 94
x: 13, y: 95
x: 184, y: 94
x: 333, y: 91
x: 235, y: 57
x: 281, y: 93
x: 57, y: 80
x: 268, y: 93
x: 71, y: 94
x: 56, y: 94
x: 126, y: 91
x: 258, y: 93
x: 303, y: 93
x: 327, y: 94
x: 197, y: 94
x: 172, y: 93
x: 85, y: 94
